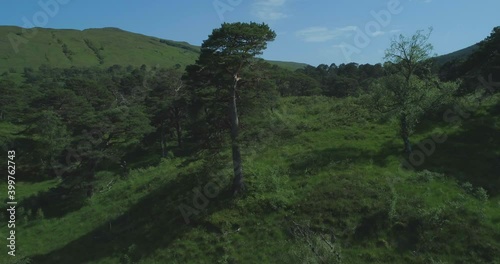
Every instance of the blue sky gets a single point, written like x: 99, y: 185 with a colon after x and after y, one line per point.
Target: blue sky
x: 310, y: 31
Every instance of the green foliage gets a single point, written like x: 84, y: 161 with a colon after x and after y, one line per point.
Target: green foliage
x: 468, y: 188
x: 299, y: 84
x: 478, y: 67
x: 14, y: 100
x: 481, y: 194
x: 269, y: 190
x: 225, y: 57
x: 339, y: 81
x: 428, y: 176
x: 409, y: 91
x: 309, y: 247
x: 410, y: 55
x: 233, y: 45
x: 19, y: 260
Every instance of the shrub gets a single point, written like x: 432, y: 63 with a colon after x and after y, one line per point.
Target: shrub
x: 19, y: 260
x: 481, y: 194
x: 468, y: 188
x: 427, y: 176
x: 269, y: 189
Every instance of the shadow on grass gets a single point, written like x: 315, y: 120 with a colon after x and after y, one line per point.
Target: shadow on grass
x: 153, y: 223
x: 56, y: 202
x: 141, y: 157
x: 339, y: 158
x: 471, y: 155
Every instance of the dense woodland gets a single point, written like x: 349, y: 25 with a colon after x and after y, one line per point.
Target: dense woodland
x: 97, y: 133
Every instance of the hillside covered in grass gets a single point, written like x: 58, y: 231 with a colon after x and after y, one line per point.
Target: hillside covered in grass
x: 104, y: 47
x: 93, y: 47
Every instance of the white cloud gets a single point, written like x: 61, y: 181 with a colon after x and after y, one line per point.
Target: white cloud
x: 381, y: 33
x: 322, y: 34
x: 269, y: 9
x: 378, y: 33
x: 339, y: 46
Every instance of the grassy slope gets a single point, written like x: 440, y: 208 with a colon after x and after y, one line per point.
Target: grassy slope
x: 289, y: 65
x: 107, y: 47
x: 114, y: 45
x: 320, y: 164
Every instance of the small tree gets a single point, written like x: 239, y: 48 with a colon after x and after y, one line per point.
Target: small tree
x: 409, y: 89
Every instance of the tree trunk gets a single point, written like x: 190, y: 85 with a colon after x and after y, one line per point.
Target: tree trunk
x: 178, y: 127
x: 92, y: 164
x: 179, y: 135
x: 405, y: 134
x: 124, y: 172
x: 163, y: 140
x: 238, y: 184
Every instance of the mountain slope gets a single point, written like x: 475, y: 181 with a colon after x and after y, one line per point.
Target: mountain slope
x: 290, y: 65
x: 93, y: 47
x: 457, y: 55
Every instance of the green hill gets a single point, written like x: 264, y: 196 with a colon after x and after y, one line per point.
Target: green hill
x: 94, y: 47
x: 289, y: 65
x: 457, y: 55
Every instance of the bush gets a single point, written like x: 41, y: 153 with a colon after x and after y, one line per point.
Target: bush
x: 481, y: 194
x: 308, y: 246
x: 18, y: 260
x: 427, y: 176
x: 468, y: 188
x: 269, y: 190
